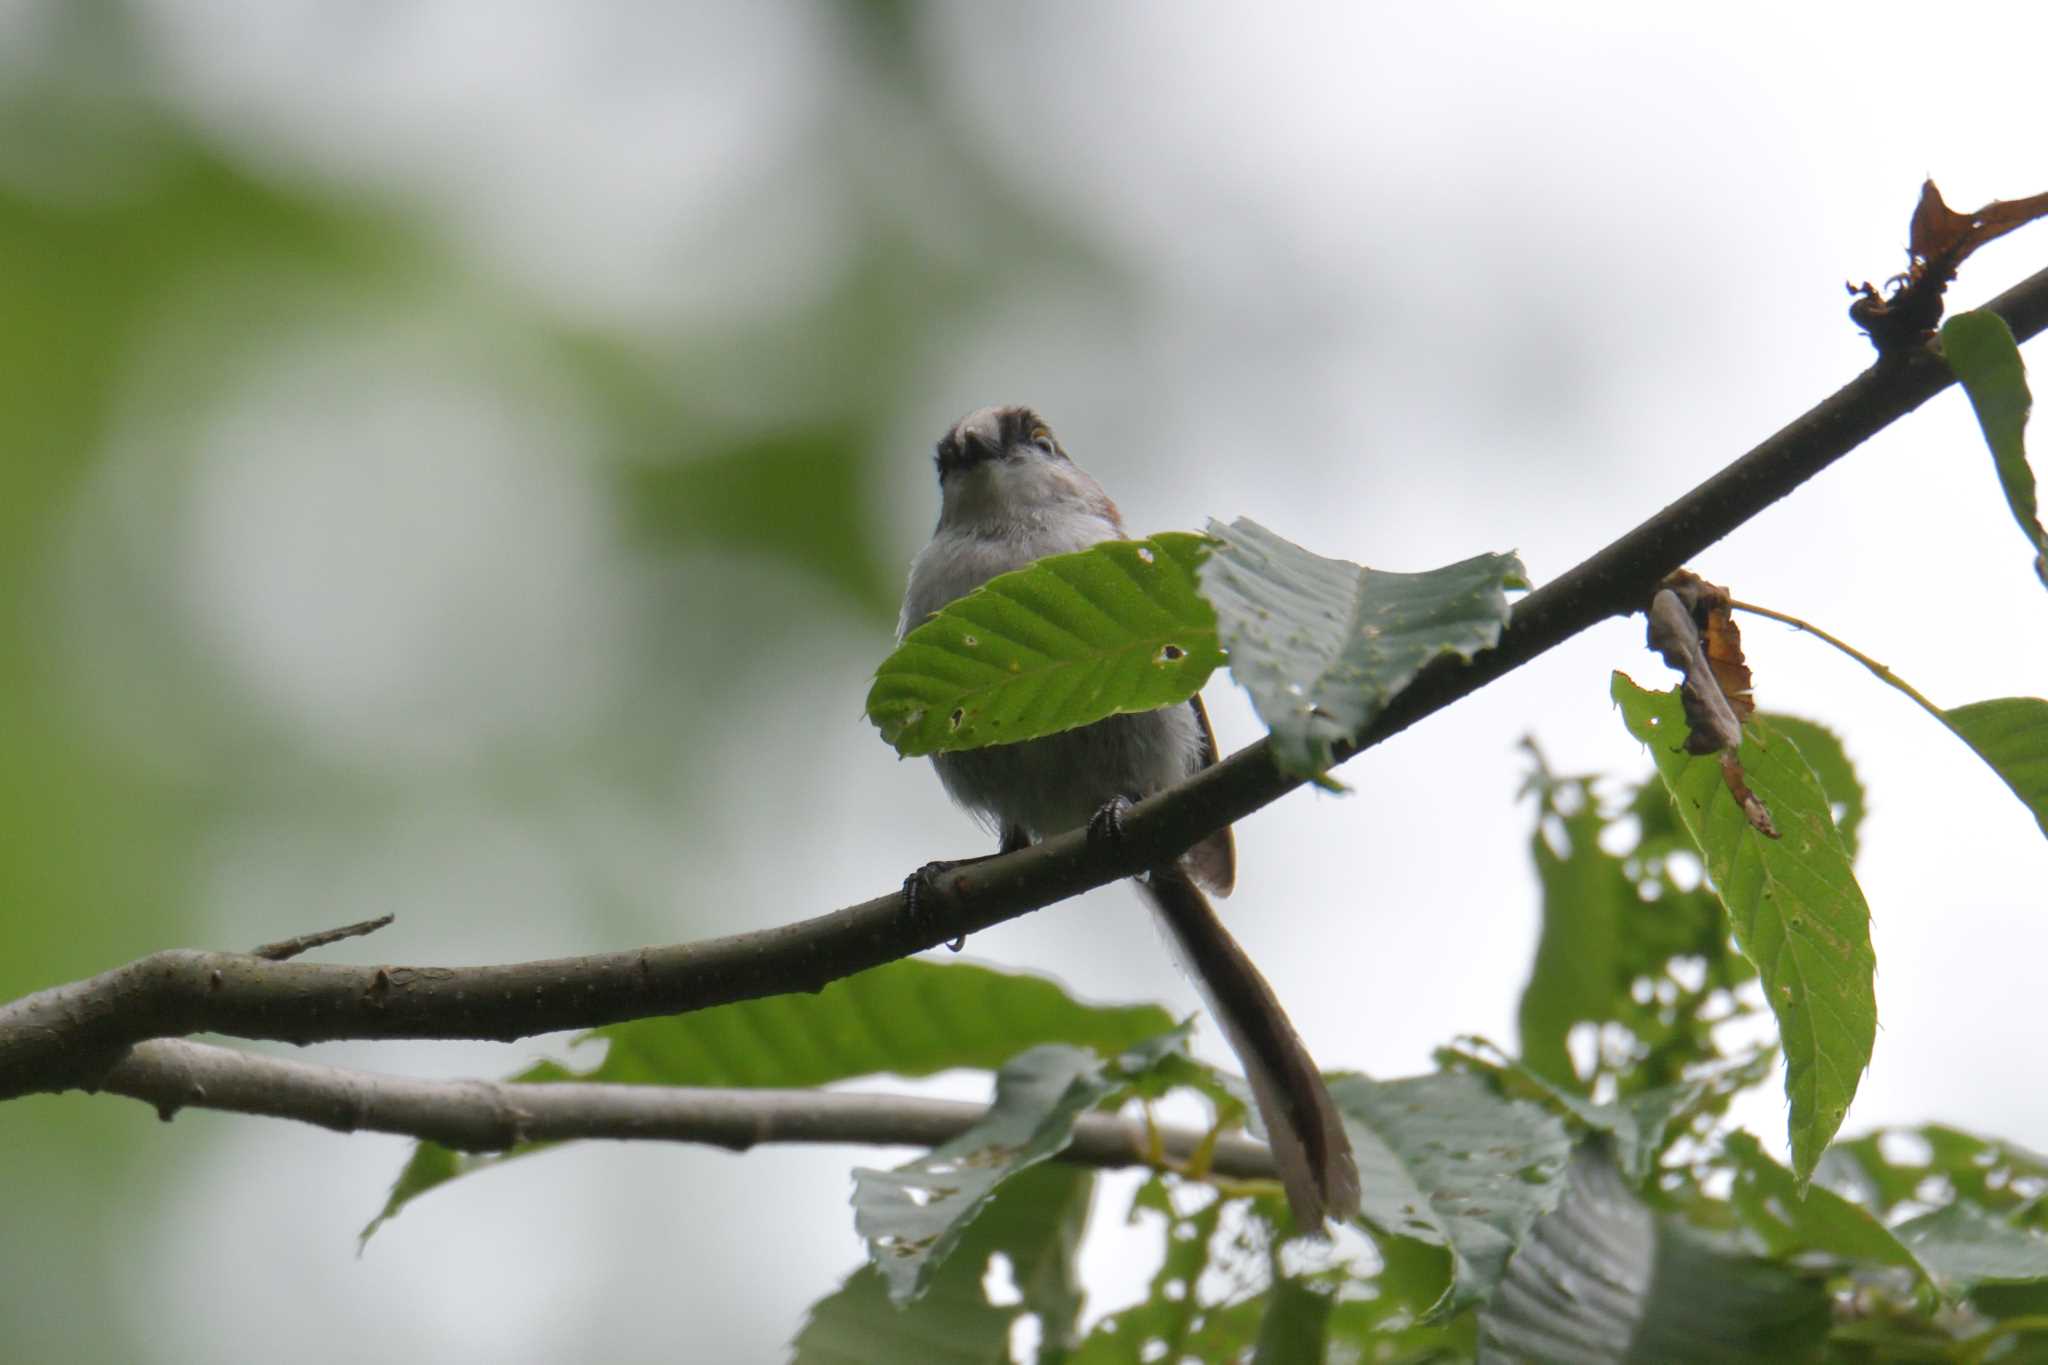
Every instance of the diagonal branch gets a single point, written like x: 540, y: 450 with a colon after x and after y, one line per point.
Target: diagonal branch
x: 491, y: 1116
x: 72, y: 1035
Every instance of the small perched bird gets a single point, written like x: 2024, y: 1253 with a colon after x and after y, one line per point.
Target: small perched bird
x: 1009, y: 495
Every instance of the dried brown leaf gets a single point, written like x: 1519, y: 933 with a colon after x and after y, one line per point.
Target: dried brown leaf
x: 1938, y: 241
x: 1692, y: 627
x: 1711, y: 722
x: 1753, y: 808
x: 1709, y: 654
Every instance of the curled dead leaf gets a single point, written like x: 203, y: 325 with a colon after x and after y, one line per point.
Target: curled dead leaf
x: 1692, y: 627
x: 1938, y: 241
x: 1753, y: 808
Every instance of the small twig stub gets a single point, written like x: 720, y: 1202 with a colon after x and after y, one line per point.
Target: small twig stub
x: 291, y: 947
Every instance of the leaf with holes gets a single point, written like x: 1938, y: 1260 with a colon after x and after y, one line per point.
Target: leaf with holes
x: 915, y: 1215
x: 1446, y: 1161
x: 1072, y: 639
x: 1179, y: 1319
x: 1797, y: 911
x: 1034, y: 1223
x: 1323, y: 644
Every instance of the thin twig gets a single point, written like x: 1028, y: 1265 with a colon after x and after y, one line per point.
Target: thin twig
x: 291, y: 947
x: 493, y: 1116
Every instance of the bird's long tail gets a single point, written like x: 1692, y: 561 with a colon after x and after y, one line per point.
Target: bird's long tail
x: 1307, y: 1136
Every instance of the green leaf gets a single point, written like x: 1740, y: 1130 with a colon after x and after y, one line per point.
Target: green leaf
x: 1964, y: 1246
x: 1446, y: 1161
x: 1605, y: 1279
x: 1790, y: 1218
x: 1074, y: 638
x: 1322, y: 644
x: 1625, y: 942
x: 1176, y: 1321
x: 1295, y: 1326
x: 917, y: 1214
x: 1035, y: 1222
x: 1638, y: 1126
x: 1587, y: 896
x: 1896, y: 1166
x: 2010, y: 734
x: 907, y: 1018
x: 1822, y: 749
x: 1383, y: 1319
x: 1980, y: 349
x: 1794, y: 904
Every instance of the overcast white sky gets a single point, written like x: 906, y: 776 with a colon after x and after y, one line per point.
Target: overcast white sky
x: 1421, y: 281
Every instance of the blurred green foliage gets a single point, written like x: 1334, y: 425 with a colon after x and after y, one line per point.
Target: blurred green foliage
x: 150, y: 269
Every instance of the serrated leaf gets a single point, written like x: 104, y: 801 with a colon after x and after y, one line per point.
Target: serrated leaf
x: 1980, y: 348
x: 1035, y: 1221
x: 2011, y: 735
x: 1072, y: 639
x: 1323, y: 644
x: 1789, y: 1219
x: 914, y: 1216
x: 1446, y: 1161
x: 1603, y: 1280
x: 1796, y: 909
x: 1638, y: 1126
x: 1965, y: 1246
x: 905, y: 1018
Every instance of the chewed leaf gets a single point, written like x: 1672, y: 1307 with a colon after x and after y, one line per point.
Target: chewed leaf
x: 1033, y: 1223
x: 1323, y: 644
x: 1446, y: 1161
x: 1796, y: 909
x: 1070, y: 640
x: 915, y: 1215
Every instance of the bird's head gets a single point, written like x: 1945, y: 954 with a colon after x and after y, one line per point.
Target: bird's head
x: 1000, y: 466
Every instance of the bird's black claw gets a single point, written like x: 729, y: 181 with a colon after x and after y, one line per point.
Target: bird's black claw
x: 917, y: 891
x: 1106, y: 826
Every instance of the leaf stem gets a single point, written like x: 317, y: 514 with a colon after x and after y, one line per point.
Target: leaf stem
x: 1883, y: 674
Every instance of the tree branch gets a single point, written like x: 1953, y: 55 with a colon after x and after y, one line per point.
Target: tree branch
x: 74, y: 1035
x: 488, y: 1116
